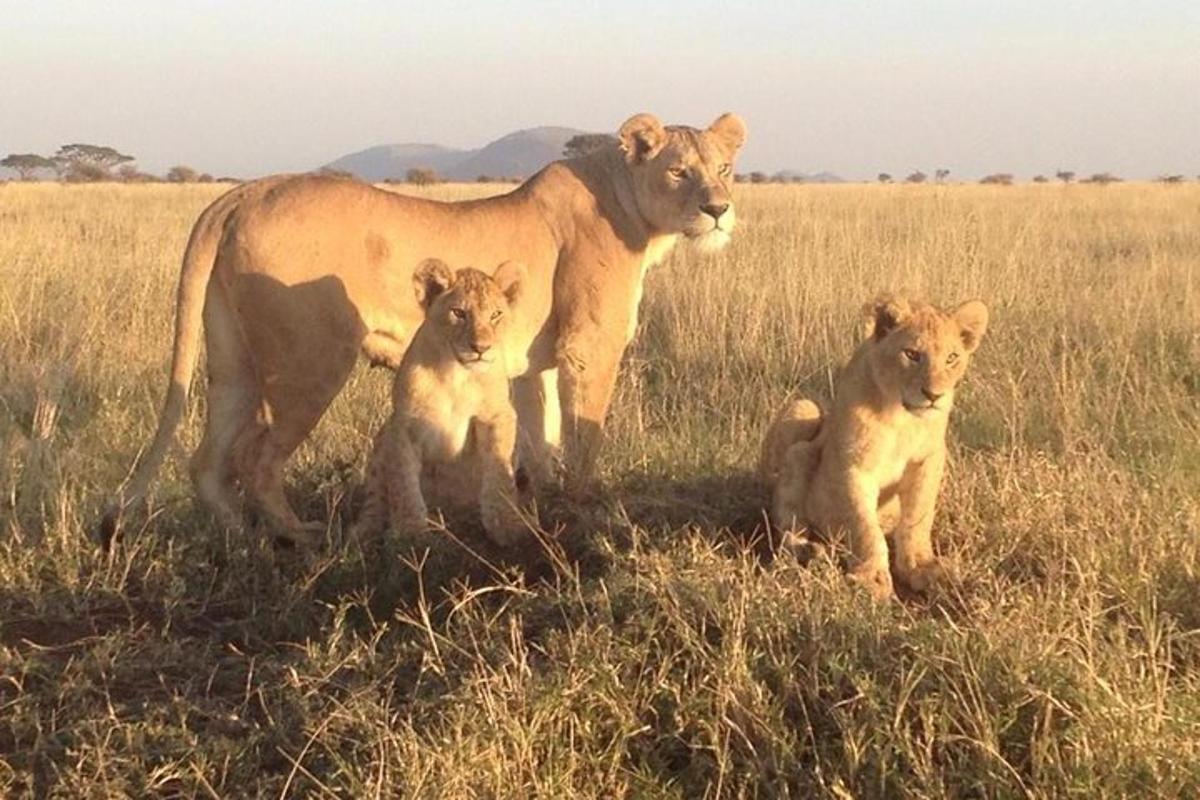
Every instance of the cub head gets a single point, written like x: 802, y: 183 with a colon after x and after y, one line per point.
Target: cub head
x: 682, y: 177
x: 918, y: 353
x: 468, y: 309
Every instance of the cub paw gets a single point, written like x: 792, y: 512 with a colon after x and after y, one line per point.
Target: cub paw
x: 504, y: 525
x: 928, y: 575
x: 801, y: 547
x: 875, y: 578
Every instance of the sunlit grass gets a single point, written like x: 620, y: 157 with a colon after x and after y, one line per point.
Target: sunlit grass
x: 652, y: 648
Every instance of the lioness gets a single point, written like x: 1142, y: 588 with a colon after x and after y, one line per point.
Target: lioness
x: 296, y: 275
x: 874, y: 464
x: 452, y: 422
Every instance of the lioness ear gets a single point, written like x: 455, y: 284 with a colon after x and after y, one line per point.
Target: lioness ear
x: 641, y: 137
x: 730, y: 130
x: 972, y: 319
x: 430, y: 279
x: 509, y: 276
x: 884, y: 315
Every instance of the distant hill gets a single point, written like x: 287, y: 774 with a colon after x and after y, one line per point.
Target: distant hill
x: 518, y: 154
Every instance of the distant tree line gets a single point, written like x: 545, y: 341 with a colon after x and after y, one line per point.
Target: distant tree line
x: 90, y: 163
x: 1007, y: 178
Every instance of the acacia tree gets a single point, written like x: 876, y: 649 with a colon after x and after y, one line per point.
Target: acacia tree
x: 941, y: 175
x: 26, y: 163
x: 584, y: 143
x: 98, y: 155
x: 421, y: 176
x: 181, y: 174
x: 885, y: 177
x: 916, y: 177
x: 1065, y: 175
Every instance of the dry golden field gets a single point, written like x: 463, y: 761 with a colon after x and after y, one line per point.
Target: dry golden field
x: 652, y: 647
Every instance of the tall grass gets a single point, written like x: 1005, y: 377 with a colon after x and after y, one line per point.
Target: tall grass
x: 651, y: 646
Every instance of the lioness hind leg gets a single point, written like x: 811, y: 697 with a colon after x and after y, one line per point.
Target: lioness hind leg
x: 266, y: 455
x: 232, y: 398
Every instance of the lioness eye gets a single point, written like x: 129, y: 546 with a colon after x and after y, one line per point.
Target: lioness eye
x: 952, y: 358
x: 496, y: 315
x: 725, y: 169
x: 459, y: 313
x: 678, y: 172
x: 912, y: 355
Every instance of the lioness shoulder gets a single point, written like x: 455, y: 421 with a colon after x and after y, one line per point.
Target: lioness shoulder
x: 873, y: 465
x: 452, y: 430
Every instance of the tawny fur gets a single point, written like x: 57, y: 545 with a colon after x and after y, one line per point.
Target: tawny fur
x: 873, y: 465
x: 297, y: 276
x: 453, y: 429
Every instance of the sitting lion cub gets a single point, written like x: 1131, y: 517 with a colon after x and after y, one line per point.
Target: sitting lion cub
x: 453, y: 427
x: 873, y: 466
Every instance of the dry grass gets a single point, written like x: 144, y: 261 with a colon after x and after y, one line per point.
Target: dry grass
x: 652, y: 648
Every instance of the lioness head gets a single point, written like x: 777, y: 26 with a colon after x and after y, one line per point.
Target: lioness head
x: 919, y: 353
x: 468, y: 309
x: 682, y: 177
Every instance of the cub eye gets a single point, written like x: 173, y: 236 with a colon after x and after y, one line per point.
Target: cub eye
x: 678, y: 173
x: 952, y: 359
x: 912, y: 355
x: 459, y: 313
x: 496, y: 315
x: 724, y: 170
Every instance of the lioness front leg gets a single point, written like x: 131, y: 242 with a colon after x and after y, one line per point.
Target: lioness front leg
x: 587, y: 373
x: 916, y: 565
x: 539, y: 428
x: 497, y: 494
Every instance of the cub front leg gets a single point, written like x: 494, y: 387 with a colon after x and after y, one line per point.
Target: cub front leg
x: 856, y: 497
x: 498, y: 503
x: 916, y: 565
x: 402, y: 475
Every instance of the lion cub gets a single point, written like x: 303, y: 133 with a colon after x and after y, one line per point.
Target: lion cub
x: 874, y: 464
x: 453, y: 428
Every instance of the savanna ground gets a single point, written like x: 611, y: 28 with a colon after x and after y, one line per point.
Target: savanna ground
x: 651, y: 645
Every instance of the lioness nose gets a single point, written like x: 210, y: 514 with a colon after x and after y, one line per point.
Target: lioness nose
x: 715, y: 210
x: 481, y: 347
x: 931, y: 396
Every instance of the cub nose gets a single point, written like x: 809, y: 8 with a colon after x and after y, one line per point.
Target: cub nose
x: 931, y: 396
x: 715, y: 210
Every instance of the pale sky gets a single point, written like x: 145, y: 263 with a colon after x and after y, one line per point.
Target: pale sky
x: 247, y: 88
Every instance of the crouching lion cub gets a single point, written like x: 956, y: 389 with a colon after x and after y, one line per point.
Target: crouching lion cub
x: 453, y: 427
x: 873, y: 466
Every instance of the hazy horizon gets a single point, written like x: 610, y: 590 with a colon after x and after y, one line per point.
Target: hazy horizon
x: 251, y: 88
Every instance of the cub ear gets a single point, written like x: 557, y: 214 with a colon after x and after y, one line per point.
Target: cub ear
x: 730, y: 130
x: 509, y: 276
x: 972, y: 319
x: 641, y: 137
x: 884, y: 315
x: 430, y: 279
